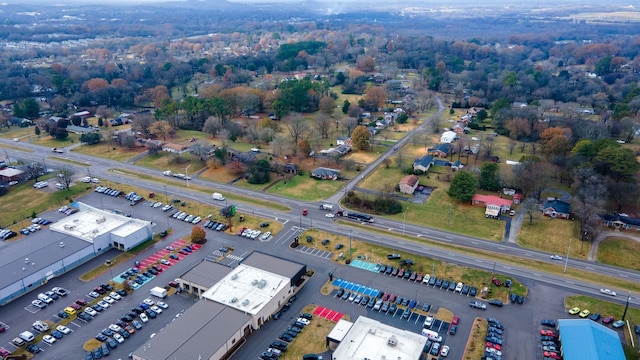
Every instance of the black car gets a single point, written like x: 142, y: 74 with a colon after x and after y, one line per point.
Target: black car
x: 445, y: 284
x: 520, y: 299
x: 513, y: 297
x: 156, y: 268
x: 453, y: 329
x: 84, y: 316
x: 340, y: 292
x: 279, y: 345
x: 465, y: 289
x: 33, y: 349
x: 174, y: 256
x: 125, y: 334
x: 121, y: 323
x: 97, y: 307
x: 547, y: 322
x: 473, y: 291
x: 62, y: 315
x: 107, y: 287
x: 153, y: 271
x: 495, y: 302
x: 285, y: 337
x: 122, y: 292
x: 426, y: 307
x: 438, y: 282
x: 101, y: 337
x: 107, y: 332
x: 389, y: 270
x: 126, y: 318
x: 393, y: 256
x: 151, y: 313
x: 383, y: 268
x: 306, y: 316
x: 264, y: 224
x: 432, y: 280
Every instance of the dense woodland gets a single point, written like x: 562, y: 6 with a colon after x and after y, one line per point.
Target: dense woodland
x: 576, y: 81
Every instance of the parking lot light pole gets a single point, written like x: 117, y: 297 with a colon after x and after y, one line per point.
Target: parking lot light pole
x: 404, y: 223
x: 186, y: 173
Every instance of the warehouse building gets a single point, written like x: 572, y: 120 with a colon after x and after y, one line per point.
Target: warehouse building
x: 239, y: 301
x: 65, y: 245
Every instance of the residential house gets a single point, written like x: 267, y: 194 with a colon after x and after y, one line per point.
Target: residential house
x: 372, y: 130
x: 448, y: 137
x: 458, y: 128
x: 408, y: 184
x: 290, y: 168
x: 343, y: 140
x: 175, y: 148
x: 324, y: 173
x: 621, y: 221
x: 556, y: 209
x: 517, y: 198
x: 423, y: 164
x: 81, y: 129
x: 441, y: 150
x: 494, y: 204
x: 342, y: 150
x: 456, y: 166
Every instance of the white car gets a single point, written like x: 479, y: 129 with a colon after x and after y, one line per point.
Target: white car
x: 329, y: 215
x: 445, y: 351
x: 556, y: 257
x: 104, y: 304
x: 608, y: 292
x: 149, y: 302
x: 165, y: 262
x: 144, y: 318
x: 115, y: 296
x: 49, y: 339
x: 63, y: 329
x: 108, y: 299
x: 266, y: 235
x: 118, y: 338
x: 162, y: 304
x: 90, y: 311
x: 157, y: 309
x: 94, y: 294
x: 428, y: 322
x: 95, y: 181
x: 86, y: 179
x: 38, y: 304
x: 304, y: 321
x: 114, y: 327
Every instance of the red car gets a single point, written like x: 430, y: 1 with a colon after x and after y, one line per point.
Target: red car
x: 496, y: 281
x: 81, y: 302
x: 493, y: 346
x: 607, y: 320
x: 75, y: 306
x: 385, y: 297
x: 239, y: 233
x: 419, y: 277
x: 392, y: 298
x: 553, y: 355
x: 401, y: 273
x: 455, y: 320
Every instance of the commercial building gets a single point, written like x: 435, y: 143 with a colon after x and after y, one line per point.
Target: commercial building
x: 233, y: 303
x: 30, y: 262
x: 371, y: 339
x: 584, y: 339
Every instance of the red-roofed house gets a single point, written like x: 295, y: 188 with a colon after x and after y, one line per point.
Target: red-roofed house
x: 494, y: 204
x: 408, y: 184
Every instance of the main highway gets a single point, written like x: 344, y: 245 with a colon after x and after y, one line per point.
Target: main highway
x: 108, y: 169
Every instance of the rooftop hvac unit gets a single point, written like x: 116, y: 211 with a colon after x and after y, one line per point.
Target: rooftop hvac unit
x: 234, y: 276
x: 234, y: 300
x: 245, y: 302
x: 372, y: 331
x: 392, y: 341
x: 100, y: 220
x: 61, y: 244
x: 262, y: 283
x: 26, y: 260
x: 254, y: 282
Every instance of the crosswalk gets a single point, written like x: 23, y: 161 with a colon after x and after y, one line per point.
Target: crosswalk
x: 217, y: 254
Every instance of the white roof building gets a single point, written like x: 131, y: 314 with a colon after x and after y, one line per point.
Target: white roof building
x: 448, y: 137
x: 371, y: 339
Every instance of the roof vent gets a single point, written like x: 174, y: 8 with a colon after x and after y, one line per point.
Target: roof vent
x: 372, y: 331
x: 245, y: 302
x: 61, y: 244
x: 262, y: 283
x: 254, y: 282
x: 234, y: 276
x: 393, y: 341
x: 234, y: 300
x: 26, y: 260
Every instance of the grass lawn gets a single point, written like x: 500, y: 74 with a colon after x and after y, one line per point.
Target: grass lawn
x: 38, y: 200
x: 61, y: 159
x: 475, y: 343
x: 17, y: 132
x: 620, y: 252
x: 51, y: 142
x: 382, y: 176
x: 553, y: 235
x: 312, y: 338
x: 306, y: 188
x: 165, y: 161
x: 106, y: 151
x: 220, y: 175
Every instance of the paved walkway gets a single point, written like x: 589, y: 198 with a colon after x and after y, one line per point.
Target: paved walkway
x: 593, y: 254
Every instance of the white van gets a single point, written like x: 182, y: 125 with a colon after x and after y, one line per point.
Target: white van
x: 432, y: 335
x: 45, y: 298
x: 218, y: 196
x: 26, y: 336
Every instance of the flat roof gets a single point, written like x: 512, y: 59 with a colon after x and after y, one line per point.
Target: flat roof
x: 584, y: 339
x: 35, y: 252
x: 371, y: 339
x: 340, y: 330
x: 206, y: 273
x: 276, y: 265
x: 90, y: 222
x: 197, y: 334
x: 10, y: 172
x: 247, y: 288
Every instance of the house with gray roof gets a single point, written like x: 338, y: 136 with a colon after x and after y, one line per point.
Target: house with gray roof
x: 556, y: 209
x: 324, y: 173
x: 423, y: 164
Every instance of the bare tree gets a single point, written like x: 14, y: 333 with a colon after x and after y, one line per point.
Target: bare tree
x: 512, y: 146
x: 349, y: 124
x: 200, y: 149
x: 212, y: 126
x: 623, y: 194
x: 399, y: 160
x: 65, y: 177
x: 297, y: 127
x: 529, y: 207
x: 488, y: 144
x: 322, y: 123
x: 34, y: 170
x: 534, y: 147
x: 142, y: 124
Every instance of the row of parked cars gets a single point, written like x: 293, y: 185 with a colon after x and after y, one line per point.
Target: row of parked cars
x: 125, y: 326
x: 183, y: 216
x: 291, y: 332
x: 6, y: 234
x: 107, y: 191
x: 68, y: 210
x: 494, y: 342
x: 253, y: 234
x: 48, y: 297
x: 549, y: 340
x: 214, y: 225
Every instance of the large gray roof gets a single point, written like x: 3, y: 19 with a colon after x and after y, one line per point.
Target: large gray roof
x: 276, y: 265
x: 197, y: 334
x: 206, y: 273
x: 41, y: 249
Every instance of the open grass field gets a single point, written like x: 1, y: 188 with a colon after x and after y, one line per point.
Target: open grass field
x: 51, y: 142
x: 220, y: 175
x: 382, y: 176
x: 165, y: 161
x: 620, y: 252
x: 305, y: 188
x: 110, y: 152
x: 553, y: 235
x: 38, y: 200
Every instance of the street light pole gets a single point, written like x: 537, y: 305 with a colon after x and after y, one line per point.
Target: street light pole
x: 404, y: 223
x: 566, y: 261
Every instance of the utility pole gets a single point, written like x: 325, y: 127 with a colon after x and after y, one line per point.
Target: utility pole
x: 626, y: 305
x: 404, y: 224
x: 349, y: 244
x: 566, y: 261
x: 186, y: 173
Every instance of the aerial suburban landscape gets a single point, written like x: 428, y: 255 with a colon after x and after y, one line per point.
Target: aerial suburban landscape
x: 319, y: 180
